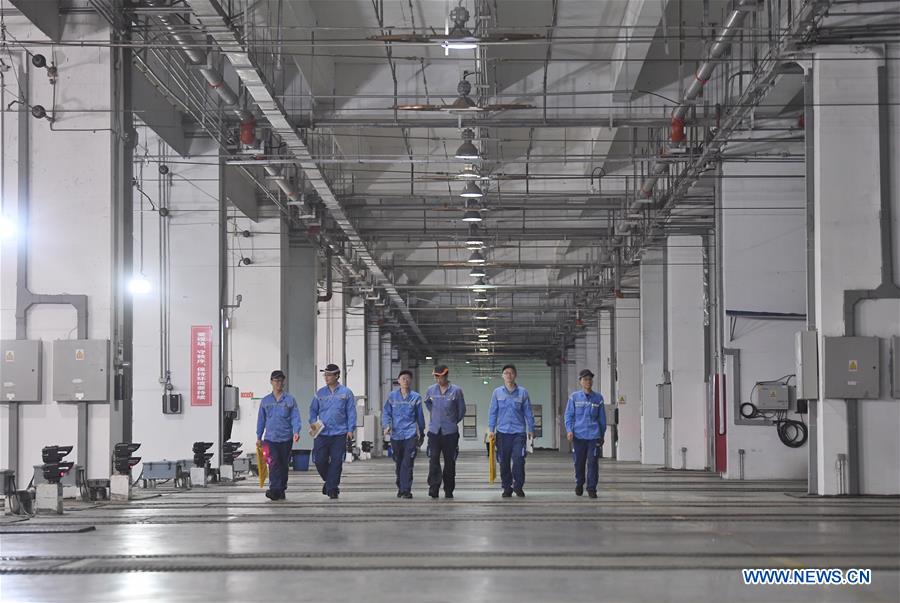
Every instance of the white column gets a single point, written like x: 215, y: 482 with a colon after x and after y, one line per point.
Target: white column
x: 628, y: 378
x: 373, y: 372
x: 603, y: 380
x: 651, y: 325
x: 330, y: 330
x: 355, y: 341
x: 848, y: 169
x: 686, y: 351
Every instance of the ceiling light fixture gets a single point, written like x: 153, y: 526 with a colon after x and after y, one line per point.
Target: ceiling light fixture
x: 481, y: 329
x: 139, y: 285
x: 467, y: 150
x: 472, y: 191
x: 483, y: 350
x: 469, y: 172
x: 479, y: 286
x: 472, y: 215
x: 476, y: 258
x: 477, y: 272
x: 459, y: 37
x: 481, y: 317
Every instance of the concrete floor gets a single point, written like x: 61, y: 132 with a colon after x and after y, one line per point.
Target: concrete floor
x: 652, y: 536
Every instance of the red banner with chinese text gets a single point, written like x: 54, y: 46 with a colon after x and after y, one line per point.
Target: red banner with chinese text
x: 201, y: 366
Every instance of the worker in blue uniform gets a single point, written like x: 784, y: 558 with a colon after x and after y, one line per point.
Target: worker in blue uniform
x: 403, y: 420
x: 335, y: 406
x: 509, y: 419
x: 446, y: 407
x: 585, y: 428
x: 278, y: 421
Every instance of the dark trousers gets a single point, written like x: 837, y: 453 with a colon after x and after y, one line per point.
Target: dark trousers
x: 280, y: 454
x: 511, y: 447
x: 328, y: 452
x: 446, y: 444
x: 404, y: 457
x: 586, y: 452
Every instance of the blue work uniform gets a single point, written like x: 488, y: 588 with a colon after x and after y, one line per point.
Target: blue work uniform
x: 511, y: 417
x: 406, y: 419
x: 586, y: 419
x: 278, y: 420
x: 337, y: 411
x: 446, y: 409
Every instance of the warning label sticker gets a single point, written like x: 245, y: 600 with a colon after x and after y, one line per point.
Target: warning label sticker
x: 853, y: 366
x: 10, y: 356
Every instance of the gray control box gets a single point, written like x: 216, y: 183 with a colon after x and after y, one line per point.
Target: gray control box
x: 852, y: 367
x: 80, y: 370
x: 20, y: 370
x: 664, y: 393
x: 772, y: 396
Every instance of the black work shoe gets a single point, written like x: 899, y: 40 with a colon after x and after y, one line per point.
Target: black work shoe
x: 271, y: 495
x: 592, y: 494
x: 333, y: 494
x: 507, y: 494
x: 406, y: 495
x: 433, y: 493
x: 448, y: 494
x: 579, y: 490
x: 399, y: 494
x: 281, y: 496
x: 520, y: 492
x: 324, y: 491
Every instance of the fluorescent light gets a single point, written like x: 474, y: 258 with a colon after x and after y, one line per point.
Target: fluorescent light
x: 479, y: 286
x: 476, y: 258
x: 481, y: 329
x: 8, y: 228
x: 483, y: 336
x: 481, y: 317
x: 477, y: 271
x: 483, y: 349
x: 472, y: 191
x: 428, y: 358
x: 481, y: 299
x: 139, y: 285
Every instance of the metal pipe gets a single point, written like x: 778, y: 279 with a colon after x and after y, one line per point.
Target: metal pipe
x: 701, y: 77
x: 741, y: 453
x: 328, y: 285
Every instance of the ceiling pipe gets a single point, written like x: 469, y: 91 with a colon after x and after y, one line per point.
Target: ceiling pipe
x: 701, y: 77
x: 232, y: 45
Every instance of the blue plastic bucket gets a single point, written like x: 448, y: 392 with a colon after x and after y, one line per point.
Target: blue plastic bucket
x: 300, y: 460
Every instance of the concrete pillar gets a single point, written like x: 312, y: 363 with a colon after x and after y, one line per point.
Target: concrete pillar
x: 298, y: 320
x: 856, y: 150
x: 373, y: 372
x: 651, y: 326
x: 330, y: 330
x: 686, y: 353
x: 355, y: 351
x: 628, y: 378
x: 387, y: 367
x: 604, y: 377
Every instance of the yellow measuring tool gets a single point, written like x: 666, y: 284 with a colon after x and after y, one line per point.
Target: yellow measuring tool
x: 492, y: 468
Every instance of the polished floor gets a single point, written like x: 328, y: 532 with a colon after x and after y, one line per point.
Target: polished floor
x: 652, y: 535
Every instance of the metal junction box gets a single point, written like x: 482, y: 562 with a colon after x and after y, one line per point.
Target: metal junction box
x: 664, y: 391
x: 772, y: 396
x: 852, y: 366
x: 806, y: 364
x: 80, y: 372
x: 20, y: 371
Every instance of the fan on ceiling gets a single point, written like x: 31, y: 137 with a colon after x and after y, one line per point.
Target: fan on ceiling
x: 457, y: 37
x: 463, y: 103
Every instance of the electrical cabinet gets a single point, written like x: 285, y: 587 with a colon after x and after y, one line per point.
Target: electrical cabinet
x: 80, y: 370
x: 20, y: 371
x: 852, y: 367
x: 806, y: 365
x: 664, y: 393
x: 772, y: 396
